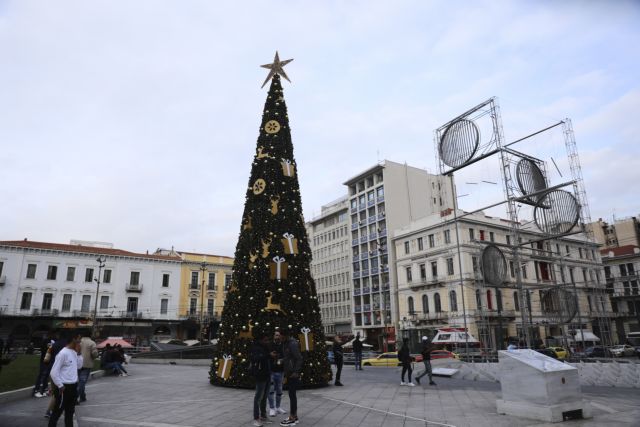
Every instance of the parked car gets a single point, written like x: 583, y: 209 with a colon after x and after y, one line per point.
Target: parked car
x: 443, y: 354
x: 384, y: 359
x: 623, y: 350
x: 597, y: 351
x: 560, y: 352
x: 548, y: 352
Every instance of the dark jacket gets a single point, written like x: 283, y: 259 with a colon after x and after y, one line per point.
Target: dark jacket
x: 338, y: 353
x: 277, y: 364
x: 357, y: 346
x: 403, y: 355
x: 427, y: 348
x: 260, y: 361
x: 292, y: 358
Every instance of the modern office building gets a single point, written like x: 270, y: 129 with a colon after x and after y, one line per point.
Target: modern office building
x: 330, y: 241
x: 433, y: 293
x: 623, y: 232
x: 387, y: 196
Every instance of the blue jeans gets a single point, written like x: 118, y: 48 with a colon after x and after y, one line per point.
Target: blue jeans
x: 358, y: 357
x: 115, y: 366
x: 260, y: 399
x: 42, y: 379
x: 83, y: 377
x: 276, y: 388
x: 427, y: 370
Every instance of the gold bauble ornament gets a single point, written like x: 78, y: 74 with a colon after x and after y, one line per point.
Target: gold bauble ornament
x: 272, y: 126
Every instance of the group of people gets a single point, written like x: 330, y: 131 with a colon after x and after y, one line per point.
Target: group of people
x: 272, y: 363
x: 113, y: 359
x: 404, y: 356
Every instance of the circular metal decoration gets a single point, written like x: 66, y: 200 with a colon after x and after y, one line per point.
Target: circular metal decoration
x: 559, y: 305
x: 459, y: 143
x: 259, y: 186
x: 272, y: 126
x: 557, y: 212
x: 530, y: 179
x: 494, y: 266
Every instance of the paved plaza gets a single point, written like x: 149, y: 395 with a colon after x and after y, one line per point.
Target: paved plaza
x: 180, y: 396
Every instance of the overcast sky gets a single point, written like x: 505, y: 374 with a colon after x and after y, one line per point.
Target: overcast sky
x: 135, y: 122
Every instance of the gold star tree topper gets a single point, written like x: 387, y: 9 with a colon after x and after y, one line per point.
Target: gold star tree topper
x: 276, y: 68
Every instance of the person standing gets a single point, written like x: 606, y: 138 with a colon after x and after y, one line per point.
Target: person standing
x: 404, y: 356
x: 277, y: 374
x: 1, y: 347
x: 58, y: 345
x: 357, y: 352
x: 9, y: 343
x: 260, y: 359
x: 40, y: 387
x: 338, y: 358
x: 292, y: 368
x: 89, y: 354
x: 64, y: 375
x: 427, y: 348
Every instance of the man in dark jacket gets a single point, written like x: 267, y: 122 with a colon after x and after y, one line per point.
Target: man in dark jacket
x: 260, y: 359
x: 427, y: 348
x: 337, y: 358
x: 277, y: 375
x: 357, y: 352
x: 292, y: 369
x: 40, y: 387
x: 404, y: 356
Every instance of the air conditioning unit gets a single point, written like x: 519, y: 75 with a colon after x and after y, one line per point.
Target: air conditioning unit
x: 3, y: 280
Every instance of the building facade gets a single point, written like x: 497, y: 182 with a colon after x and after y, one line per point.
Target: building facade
x: 387, y: 196
x: 330, y: 242
x: 44, y: 286
x: 623, y: 232
x: 622, y: 274
x: 440, y: 286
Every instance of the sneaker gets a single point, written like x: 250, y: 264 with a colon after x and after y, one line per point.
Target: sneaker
x: 272, y: 412
x: 48, y: 414
x: 432, y: 383
x: 280, y: 411
x: 289, y: 422
x: 124, y: 375
x: 411, y: 385
x: 339, y: 384
x: 257, y: 423
x: 83, y: 399
x: 403, y: 383
x: 418, y: 380
x: 38, y: 394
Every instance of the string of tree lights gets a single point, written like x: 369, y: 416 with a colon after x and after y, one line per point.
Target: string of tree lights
x: 272, y: 287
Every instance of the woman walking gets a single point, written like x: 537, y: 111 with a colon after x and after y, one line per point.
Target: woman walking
x: 404, y: 356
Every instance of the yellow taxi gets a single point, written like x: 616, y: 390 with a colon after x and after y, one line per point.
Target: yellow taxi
x: 561, y: 352
x: 384, y: 359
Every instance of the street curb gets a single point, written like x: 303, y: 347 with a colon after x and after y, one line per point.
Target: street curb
x: 187, y: 362
x: 23, y: 393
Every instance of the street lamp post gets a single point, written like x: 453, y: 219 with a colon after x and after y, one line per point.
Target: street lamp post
x: 203, y: 268
x: 101, y: 263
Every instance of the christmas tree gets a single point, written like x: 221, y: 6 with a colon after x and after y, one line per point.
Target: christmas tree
x: 271, y: 286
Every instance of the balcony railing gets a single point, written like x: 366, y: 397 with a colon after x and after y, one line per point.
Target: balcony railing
x: 625, y: 294
x: 373, y: 236
x: 131, y: 314
x: 366, y: 307
x: 355, y: 242
x: 495, y: 313
x: 134, y: 287
x: 380, y: 199
x: 356, y: 274
x: 363, y: 239
x: 362, y: 207
x: 365, y: 272
x: 357, y: 309
x: 366, y: 290
x: 371, y: 202
x: 381, y: 216
x: 374, y: 270
x: 371, y: 219
x: 82, y: 313
x: 354, y: 226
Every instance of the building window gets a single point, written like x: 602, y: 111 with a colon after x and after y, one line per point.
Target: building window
x: 210, y: 306
x: 106, y: 276
x: 492, y: 236
x: 474, y: 263
x: 508, y: 240
x: 66, y: 302
x: 410, y: 305
x: 499, y: 299
x: 453, y: 301
x: 450, y: 266
x: 1, y: 267
x: 434, y: 269
x: 132, y: 305
x: 478, y: 300
x: 135, y: 278
x: 71, y: 274
x: 481, y: 234
x: 104, y: 302
x: 86, y: 303
x: 512, y: 269
x: 194, y: 280
x: 472, y: 234
x: 164, y: 306
x: 423, y: 272
x: 516, y: 302
x: 52, y: 272
x: 420, y: 244
x: 192, y: 305
x: 406, y: 247
x: 165, y: 280
x: 489, y: 300
x: 211, y: 285
x: 47, y: 299
x: 88, y: 275
x: 524, y: 271
x: 409, y: 278
x: 31, y: 271
x: 436, y: 302
x: 227, y: 282
x: 425, y: 304
x: 447, y: 236
x: 432, y: 241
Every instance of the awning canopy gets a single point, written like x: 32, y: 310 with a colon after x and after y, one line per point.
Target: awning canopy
x: 113, y: 341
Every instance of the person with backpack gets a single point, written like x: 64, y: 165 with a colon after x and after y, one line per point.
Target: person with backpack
x: 404, y: 356
x: 259, y: 368
x: 427, y: 348
x: 292, y: 369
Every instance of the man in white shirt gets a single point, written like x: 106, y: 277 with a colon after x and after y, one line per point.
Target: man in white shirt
x: 64, y: 375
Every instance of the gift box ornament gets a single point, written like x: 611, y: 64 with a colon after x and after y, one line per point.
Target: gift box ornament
x: 278, y: 268
x: 306, y: 339
x: 224, y: 366
x: 290, y: 244
x: 288, y: 169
